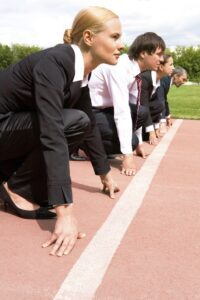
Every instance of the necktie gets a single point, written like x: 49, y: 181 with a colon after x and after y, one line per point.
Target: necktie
x: 139, y: 86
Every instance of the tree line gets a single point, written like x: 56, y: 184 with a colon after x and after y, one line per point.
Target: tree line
x: 11, y: 55
x: 189, y: 59
x: 186, y: 57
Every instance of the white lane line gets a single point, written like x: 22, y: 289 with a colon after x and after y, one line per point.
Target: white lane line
x: 87, y: 273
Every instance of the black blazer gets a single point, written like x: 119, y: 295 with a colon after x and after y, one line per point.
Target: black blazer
x: 162, y: 92
x: 43, y: 83
x: 146, y: 91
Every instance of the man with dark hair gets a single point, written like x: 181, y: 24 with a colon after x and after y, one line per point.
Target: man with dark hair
x: 115, y: 95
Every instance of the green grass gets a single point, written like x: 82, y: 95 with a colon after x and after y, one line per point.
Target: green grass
x: 184, y: 102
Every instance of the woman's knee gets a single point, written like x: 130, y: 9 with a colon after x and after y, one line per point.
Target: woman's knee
x: 75, y: 120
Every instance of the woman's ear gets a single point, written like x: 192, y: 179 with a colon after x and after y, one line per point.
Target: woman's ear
x: 88, y: 37
x: 161, y: 67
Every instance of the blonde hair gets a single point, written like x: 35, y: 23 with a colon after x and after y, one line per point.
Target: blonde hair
x: 92, y: 18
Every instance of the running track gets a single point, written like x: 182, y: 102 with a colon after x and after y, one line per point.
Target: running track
x: 144, y: 245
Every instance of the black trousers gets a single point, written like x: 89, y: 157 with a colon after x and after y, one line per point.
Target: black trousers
x: 21, y: 159
x: 156, y: 107
x: 106, y: 123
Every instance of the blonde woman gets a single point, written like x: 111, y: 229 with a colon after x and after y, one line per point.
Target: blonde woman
x: 45, y: 111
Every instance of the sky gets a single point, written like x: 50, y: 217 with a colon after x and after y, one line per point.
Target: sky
x: 42, y: 22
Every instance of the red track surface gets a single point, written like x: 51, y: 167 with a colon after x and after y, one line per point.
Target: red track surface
x: 158, y: 257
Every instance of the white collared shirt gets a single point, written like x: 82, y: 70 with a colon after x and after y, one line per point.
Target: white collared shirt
x: 155, y: 82
x: 116, y: 86
x: 79, y: 66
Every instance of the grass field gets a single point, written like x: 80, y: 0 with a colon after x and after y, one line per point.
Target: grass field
x: 184, y: 102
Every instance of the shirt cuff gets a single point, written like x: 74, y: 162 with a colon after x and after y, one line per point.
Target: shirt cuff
x: 140, y: 139
x: 149, y: 128
x: 156, y: 125
x: 138, y: 132
x: 126, y: 150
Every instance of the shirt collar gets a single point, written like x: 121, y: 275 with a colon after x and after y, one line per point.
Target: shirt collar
x: 79, y: 66
x: 155, y: 82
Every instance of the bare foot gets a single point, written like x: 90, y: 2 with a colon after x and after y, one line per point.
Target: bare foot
x: 128, y: 165
x: 19, y: 201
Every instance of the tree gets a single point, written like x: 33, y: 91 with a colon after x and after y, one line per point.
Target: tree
x: 21, y: 51
x: 189, y: 59
x: 11, y: 55
x: 6, y: 56
x: 186, y: 57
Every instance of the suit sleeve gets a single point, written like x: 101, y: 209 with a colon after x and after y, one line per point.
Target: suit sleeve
x: 145, y: 98
x: 49, y: 81
x: 162, y: 93
x: 167, y: 110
